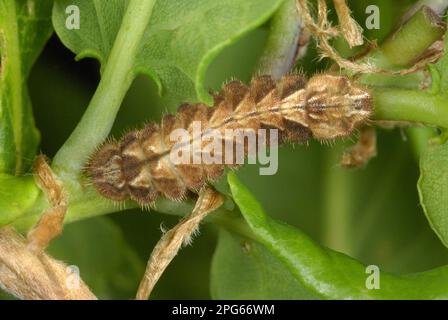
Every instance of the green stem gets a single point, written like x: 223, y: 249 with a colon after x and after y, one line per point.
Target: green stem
x: 337, y: 203
x: 439, y: 7
x: 117, y: 77
x: 419, y: 137
x: 410, y: 105
x: 403, y: 48
x: 14, y: 64
x: 90, y: 204
x: 406, y: 45
x: 280, y: 51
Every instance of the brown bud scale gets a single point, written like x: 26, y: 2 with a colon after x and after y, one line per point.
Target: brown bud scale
x: 139, y: 166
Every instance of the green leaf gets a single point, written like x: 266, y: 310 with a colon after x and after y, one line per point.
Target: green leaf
x: 244, y: 269
x: 17, y: 194
x: 327, y: 273
x: 25, y: 27
x: 179, y: 43
x: 433, y: 182
x: 106, y: 262
x: 433, y: 188
x: 439, y: 73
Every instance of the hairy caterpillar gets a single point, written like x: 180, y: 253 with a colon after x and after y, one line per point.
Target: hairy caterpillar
x: 139, y: 167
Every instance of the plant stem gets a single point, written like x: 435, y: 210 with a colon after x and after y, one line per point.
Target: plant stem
x: 89, y: 204
x: 439, y: 6
x: 403, y: 48
x: 282, y: 45
x: 13, y: 61
x: 419, y: 137
x: 337, y: 203
x: 410, y: 105
x: 117, y: 77
x: 413, y: 38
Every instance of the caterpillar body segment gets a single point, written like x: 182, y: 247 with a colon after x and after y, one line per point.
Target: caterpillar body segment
x: 139, y: 166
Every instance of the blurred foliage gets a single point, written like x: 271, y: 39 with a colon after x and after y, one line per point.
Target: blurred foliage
x: 372, y: 214
x: 110, y: 267
x: 24, y: 29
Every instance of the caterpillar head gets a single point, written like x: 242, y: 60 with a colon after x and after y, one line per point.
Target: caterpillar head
x: 335, y: 106
x: 106, y: 173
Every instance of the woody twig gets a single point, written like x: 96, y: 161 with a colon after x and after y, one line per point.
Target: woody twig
x: 26, y: 270
x: 51, y: 222
x: 30, y: 275
x: 379, y: 60
x: 170, y: 243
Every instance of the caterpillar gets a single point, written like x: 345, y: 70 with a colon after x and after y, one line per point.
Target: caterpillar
x: 138, y: 166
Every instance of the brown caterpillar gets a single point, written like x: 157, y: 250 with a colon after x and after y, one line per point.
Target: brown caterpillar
x: 139, y: 167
